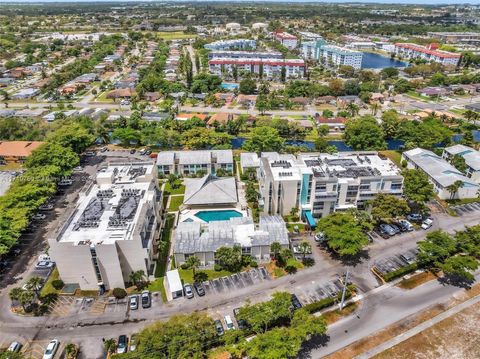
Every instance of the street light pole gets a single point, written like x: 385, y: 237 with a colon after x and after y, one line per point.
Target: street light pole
x: 344, y: 290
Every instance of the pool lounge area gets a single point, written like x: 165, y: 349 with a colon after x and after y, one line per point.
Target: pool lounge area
x: 206, y: 216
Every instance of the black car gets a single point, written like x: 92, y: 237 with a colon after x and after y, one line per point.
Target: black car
x: 122, y: 344
x: 199, y: 289
x: 242, y: 324
x: 219, y: 328
x: 295, y: 302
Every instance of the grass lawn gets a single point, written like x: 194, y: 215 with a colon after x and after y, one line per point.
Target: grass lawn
x: 417, y: 96
x: 462, y: 201
x: 163, y: 255
x: 166, y: 35
x: 290, y: 227
x: 180, y: 188
x: 186, y: 275
x: 48, y: 288
x: 295, y: 263
x: 175, y: 203
x: 395, y: 156
x: 335, y: 315
x: 416, y: 279
x: 157, y: 286
x: 11, y: 166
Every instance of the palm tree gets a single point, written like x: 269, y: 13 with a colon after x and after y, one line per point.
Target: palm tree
x: 353, y: 109
x: 35, y: 284
x: 26, y: 297
x: 14, y: 293
x: 275, y: 248
x: 374, y: 107
x: 193, y: 263
x: 454, y: 187
x: 110, y: 345
x: 137, y: 277
x: 471, y: 116
x: 304, y: 248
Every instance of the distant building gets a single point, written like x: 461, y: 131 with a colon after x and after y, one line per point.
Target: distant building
x: 113, y: 229
x: 26, y: 94
x: 191, y: 162
x: 241, y: 44
x: 455, y: 36
x: 471, y: 157
x: 441, y: 174
x: 17, y: 151
x: 309, y: 36
x: 288, y: 40
x: 244, y: 54
x: 413, y: 51
x: 268, y: 68
x: 332, y: 55
x: 210, y: 191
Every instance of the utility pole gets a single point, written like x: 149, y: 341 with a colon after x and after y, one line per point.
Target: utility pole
x: 344, y: 290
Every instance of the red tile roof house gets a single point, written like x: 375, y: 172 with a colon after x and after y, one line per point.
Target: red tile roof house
x: 334, y: 123
x: 220, y: 118
x: 187, y: 116
x: 152, y: 96
x: 17, y: 151
x: 120, y: 93
x: 246, y: 100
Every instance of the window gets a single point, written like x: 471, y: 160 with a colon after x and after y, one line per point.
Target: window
x: 396, y: 186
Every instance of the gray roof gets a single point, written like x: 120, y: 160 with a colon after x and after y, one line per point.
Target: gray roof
x: 189, y: 237
x: 210, y: 190
x: 471, y: 156
x: 473, y: 106
x: 166, y: 158
x: 436, y: 167
x: 195, y: 157
x: 249, y: 159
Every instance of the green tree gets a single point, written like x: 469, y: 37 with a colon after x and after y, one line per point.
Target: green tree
x: 53, y: 154
x: 119, y: 293
x: 454, y: 187
x: 137, y: 278
x: 126, y: 135
x: 460, y: 266
x: 278, y: 343
x: 304, y: 248
x: 390, y: 123
x: 416, y: 186
x: 110, y: 345
x: 229, y: 258
x: 200, y: 276
x: 193, y: 263
x: 72, y: 135
x: 468, y: 241
x: 435, y: 249
x: 389, y: 72
x: 353, y: 109
x: 35, y: 284
x: 275, y: 249
x: 344, y: 234
x: 247, y: 86
x: 459, y: 163
x: 264, y: 139
x: 386, y: 206
x: 364, y: 133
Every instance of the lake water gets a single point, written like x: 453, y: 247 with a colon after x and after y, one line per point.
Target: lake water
x: 376, y: 61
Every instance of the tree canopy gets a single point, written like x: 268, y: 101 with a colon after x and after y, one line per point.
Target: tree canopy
x: 364, y: 133
x: 264, y: 139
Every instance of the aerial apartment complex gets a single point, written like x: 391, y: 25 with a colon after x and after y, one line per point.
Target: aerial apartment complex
x: 191, y: 162
x: 112, y: 230
x: 456, y: 36
x: 318, y: 183
x: 265, y: 67
x: 288, y: 40
x: 332, y: 55
x: 413, y: 51
x: 244, y: 54
x: 241, y: 44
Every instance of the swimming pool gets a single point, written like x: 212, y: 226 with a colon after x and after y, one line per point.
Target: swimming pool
x: 224, y: 215
x: 227, y: 86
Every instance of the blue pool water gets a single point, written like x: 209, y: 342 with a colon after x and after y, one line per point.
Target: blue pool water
x: 376, y: 61
x: 226, y: 86
x: 225, y: 215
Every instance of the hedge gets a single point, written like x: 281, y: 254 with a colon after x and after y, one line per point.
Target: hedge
x: 400, y: 272
x: 328, y: 302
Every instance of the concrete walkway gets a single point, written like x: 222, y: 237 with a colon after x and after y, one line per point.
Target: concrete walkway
x: 418, y: 329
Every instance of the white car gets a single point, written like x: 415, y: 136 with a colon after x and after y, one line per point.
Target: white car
x: 44, y: 265
x: 39, y: 217
x: 229, y: 322
x: 14, y: 347
x: 426, y: 224
x: 320, y: 237
x: 52, y: 348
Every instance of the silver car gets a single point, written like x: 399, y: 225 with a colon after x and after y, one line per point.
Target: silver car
x: 188, y: 291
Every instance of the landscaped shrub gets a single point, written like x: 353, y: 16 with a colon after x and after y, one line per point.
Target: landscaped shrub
x: 57, y: 284
x: 308, y: 262
x: 119, y: 293
x: 253, y: 264
x: 184, y: 266
x: 290, y: 269
x: 400, y: 272
x: 319, y: 305
x: 217, y: 267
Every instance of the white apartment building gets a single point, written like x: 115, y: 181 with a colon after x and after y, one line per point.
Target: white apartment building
x: 267, y: 68
x: 332, y: 55
x: 471, y: 157
x: 413, y: 51
x: 318, y: 183
x: 244, y: 54
x: 203, y: 240
x: 190, y: 162
x: 310, y: 36
x: 440, y: 173
x: 112, y: 230
x: 232, y: 44
x: 288, y: 40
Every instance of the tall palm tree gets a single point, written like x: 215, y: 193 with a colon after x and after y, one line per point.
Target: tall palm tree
x: 374, y: 107
x: 25, y: 298
x: 471, y: 116
x: 137, y: 277
x: 353, y: 109
x: 193, y: 263
x: 275, y: 248
x: 35, y: 284
x: 304, y: 248
x: 454, y: 187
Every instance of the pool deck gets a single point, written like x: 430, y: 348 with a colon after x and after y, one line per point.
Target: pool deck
x: 190, y: 214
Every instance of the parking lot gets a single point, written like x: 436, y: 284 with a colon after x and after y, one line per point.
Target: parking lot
x: 236, y: 281
x: 393, y: 263
x: 464, y: 209
x: 316, y: 292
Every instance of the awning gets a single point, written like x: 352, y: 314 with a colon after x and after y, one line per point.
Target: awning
x: 310, y: 220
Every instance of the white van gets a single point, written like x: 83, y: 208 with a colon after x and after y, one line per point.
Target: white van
x: 229, y: 322
x: 44, y: 258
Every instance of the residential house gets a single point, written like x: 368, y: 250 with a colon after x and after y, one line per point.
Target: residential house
x: 124, y: 93
x: 471, y: 157
x: 188, y: 116
x: 17, y: 151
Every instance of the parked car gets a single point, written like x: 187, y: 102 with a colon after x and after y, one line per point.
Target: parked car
x: 148, y: 152
x: 370, y: 237
x: 90, y: 153
x: 426, y: 224
x: 219, y: 327
x: 229, y: 322
x: 51, y: 349
x: 146, y: 299
x: 405, y: 225
x: 14, y: 347
x: 188, y: 291
x: 396, y: 228
x: 39, y: 216
x: 78, y: 169
x: 199, y: 289
x: 296, y: 250
x: 134, y: 302
x: 122, y: 344
x: 44, y: 265
x: 385, y: 228
x: 242, y: 324
x: 295, y: 302
x: 415, y: 217
x: 65, y: 182
x: 103, y: 149
x: 320, y: 237
x: 133, y: 343
x: 46, y: 207
x: 143, y: 151
x: 132, y: 151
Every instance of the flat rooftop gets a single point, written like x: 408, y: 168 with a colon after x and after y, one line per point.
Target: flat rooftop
x: 110, y: 209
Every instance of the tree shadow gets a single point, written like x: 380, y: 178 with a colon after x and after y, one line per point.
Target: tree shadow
x: 457, y: 281
x: 316, y: 342
x: 351, y: 261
